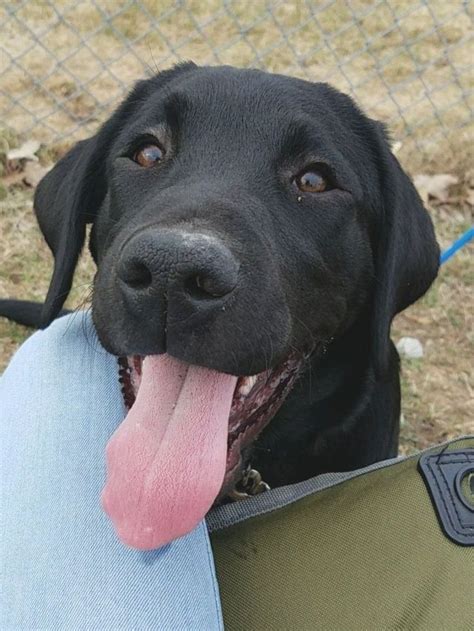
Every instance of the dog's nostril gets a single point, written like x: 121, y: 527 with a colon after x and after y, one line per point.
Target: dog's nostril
x: 205, y: 285
x: 201, y: 287
x: 137, y: 275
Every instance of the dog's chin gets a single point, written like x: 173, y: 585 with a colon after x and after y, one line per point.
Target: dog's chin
x: 255, y: 402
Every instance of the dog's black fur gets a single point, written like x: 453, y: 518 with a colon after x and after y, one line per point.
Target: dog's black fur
x: 321, y: 272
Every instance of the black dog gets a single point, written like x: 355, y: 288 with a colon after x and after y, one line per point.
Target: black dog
x: 253, y: 224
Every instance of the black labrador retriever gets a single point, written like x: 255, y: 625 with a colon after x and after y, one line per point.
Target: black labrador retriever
x: 258, y: 226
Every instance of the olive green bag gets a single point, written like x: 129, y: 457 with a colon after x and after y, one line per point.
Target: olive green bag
x: 386, y: 547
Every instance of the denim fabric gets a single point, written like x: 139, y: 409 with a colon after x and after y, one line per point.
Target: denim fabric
x: 63, y: 566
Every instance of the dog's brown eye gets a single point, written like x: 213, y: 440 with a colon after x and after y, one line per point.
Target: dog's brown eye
x: 311, y: 182
x: 149, y: 155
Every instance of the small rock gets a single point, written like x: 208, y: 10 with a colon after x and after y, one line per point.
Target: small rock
x: 410, y: 347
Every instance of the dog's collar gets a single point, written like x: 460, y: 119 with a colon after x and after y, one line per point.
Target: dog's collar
x: 250, y: 484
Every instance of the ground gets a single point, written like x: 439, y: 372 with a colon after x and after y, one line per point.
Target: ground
x: 377, y: 56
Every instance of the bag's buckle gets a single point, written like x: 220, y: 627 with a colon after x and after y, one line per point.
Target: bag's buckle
x: 449, y: 477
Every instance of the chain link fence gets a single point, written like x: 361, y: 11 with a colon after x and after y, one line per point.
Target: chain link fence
x: 64, y: 65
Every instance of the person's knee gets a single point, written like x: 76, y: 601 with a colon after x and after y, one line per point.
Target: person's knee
x: 68, y: 340
x: 69, y: 333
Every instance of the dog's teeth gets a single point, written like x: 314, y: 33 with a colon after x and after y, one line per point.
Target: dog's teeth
x: 247, y: 385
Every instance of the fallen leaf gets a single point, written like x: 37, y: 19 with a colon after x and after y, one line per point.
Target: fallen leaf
x: 27, y: 151
x: 396, y: 147
x: 30, y: 175
x: 15, y: 177
x: 434, y: 186
x: 33, y: 173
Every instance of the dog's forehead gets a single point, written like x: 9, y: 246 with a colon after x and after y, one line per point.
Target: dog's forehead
x: 225, y: 98
x: 252, y: 88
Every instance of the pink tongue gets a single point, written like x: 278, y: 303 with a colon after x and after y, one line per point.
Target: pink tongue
x: 166, y: 461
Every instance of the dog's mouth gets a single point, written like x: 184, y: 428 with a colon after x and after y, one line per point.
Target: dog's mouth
x: 182, y: 446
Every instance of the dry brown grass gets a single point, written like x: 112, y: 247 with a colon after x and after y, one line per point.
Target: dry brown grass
x: 73, y: 64
x: 438, y: 390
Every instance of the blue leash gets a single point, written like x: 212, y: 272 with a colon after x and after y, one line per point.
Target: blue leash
x: 457, y: 245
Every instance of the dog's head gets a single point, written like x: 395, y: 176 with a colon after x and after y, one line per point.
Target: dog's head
x: 240, y: 221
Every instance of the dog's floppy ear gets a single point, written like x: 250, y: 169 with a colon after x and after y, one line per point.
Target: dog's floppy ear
x: 407, y: 254
x: 70, y: 195
x: 66, y: 198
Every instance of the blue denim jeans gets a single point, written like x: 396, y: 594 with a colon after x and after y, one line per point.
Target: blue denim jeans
x: 63, y: 566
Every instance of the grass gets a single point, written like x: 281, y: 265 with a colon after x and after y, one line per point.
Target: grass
x: 75, y: 60
x: 376, y: 56
x: 438, y: 390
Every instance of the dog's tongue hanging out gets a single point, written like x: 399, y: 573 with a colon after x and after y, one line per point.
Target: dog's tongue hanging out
x: 166, y: 462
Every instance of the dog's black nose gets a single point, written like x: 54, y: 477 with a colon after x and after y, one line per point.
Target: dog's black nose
x: 173, y: 265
